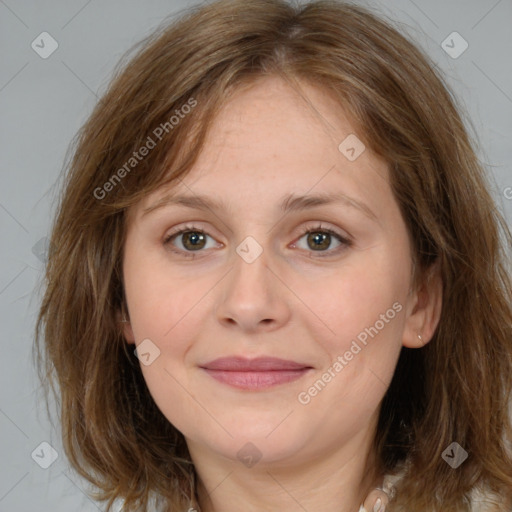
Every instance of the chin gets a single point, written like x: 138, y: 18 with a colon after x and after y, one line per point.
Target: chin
x: 272, y: 441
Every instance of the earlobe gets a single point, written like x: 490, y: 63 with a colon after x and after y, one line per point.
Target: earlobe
x: 126, y: 327
x: 128, y: 333
x: 425, y: 311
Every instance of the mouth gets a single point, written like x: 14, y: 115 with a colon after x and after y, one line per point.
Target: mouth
x: 255, y: 374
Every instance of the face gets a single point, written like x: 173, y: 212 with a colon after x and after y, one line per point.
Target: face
x: 311, y: 323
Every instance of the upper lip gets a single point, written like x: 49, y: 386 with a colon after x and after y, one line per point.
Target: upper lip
x: 259, y: 364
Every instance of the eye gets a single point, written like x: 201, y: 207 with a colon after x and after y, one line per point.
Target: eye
x: 319, y: 239
x: 190, y: 238
x: 193, y: 239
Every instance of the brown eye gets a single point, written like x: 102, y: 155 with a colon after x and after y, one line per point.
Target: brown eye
x: 193, y: 240
x: 187, y: 241
x: 319, y: 240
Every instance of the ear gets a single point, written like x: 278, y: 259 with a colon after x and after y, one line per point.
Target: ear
x: 125, y: 326
x: 424, y: 311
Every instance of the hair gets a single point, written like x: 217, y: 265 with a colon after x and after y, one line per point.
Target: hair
x: 456, y: 388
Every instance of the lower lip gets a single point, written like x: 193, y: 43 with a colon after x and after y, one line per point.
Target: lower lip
x: 256, y: 380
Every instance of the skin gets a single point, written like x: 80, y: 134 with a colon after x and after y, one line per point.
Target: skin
x: 290, y: 302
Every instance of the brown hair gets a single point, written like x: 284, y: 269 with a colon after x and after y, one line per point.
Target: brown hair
x: 456, y: 388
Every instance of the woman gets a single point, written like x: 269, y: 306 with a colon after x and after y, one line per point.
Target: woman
x: 276, y: 278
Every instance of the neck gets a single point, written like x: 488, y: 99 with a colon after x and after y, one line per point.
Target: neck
x: 337, y: 481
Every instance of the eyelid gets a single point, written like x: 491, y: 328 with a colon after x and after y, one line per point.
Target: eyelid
x: 184, y: 229
x: 313, y: 226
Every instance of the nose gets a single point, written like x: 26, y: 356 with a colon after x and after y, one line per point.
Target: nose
x: 254, y: 296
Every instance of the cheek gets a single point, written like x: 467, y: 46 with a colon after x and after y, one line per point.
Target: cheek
x: 358, y: 322
x: 162, y: 302
x: 355, y: 299
x: 170, y: 313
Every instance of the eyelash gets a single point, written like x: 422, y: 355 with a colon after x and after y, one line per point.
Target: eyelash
x: 345, y: 242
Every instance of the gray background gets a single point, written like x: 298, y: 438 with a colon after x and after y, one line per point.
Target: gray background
x: 43, y: 102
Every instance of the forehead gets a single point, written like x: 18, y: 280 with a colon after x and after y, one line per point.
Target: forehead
x: 263, y: 114
x: 270, y: 137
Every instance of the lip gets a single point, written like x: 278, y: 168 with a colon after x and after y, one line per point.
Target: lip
x: 255, y: 374
x: 259, y: 364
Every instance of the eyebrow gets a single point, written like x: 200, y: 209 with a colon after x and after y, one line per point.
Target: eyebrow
x: 289, y: 203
